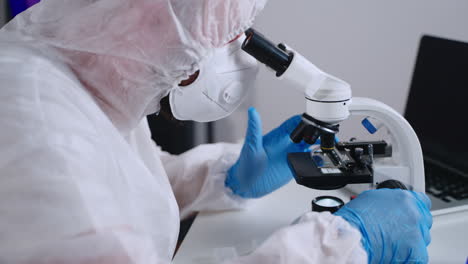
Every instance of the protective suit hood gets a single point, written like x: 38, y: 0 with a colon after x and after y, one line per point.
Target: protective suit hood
x: 130, y: 54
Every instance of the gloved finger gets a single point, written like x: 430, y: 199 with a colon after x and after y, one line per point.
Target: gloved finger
x: 427, y: 218
x: 424, y: 204
x: 299, y: 147
x: 426, y: 234
x: 289, y: 125
x: 254, y: 130
x: 418, y: 254
x: 423, y: 198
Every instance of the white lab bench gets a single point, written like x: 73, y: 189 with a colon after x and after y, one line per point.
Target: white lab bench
x: 214, y: 236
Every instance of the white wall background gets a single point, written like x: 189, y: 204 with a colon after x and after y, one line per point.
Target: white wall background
x: 371, y: 44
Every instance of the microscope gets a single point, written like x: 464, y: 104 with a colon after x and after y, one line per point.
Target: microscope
x: 333, y: 165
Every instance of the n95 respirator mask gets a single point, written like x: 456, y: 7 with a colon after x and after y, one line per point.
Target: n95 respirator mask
x: 224, y: 79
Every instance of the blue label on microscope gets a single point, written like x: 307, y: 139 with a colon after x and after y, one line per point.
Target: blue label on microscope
x: 369, y: 126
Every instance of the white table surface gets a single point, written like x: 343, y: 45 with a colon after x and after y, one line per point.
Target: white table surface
x: 215, y: 236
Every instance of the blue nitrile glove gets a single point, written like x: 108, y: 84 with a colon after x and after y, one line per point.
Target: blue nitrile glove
x: 394, y: 224
x: 262, y: 166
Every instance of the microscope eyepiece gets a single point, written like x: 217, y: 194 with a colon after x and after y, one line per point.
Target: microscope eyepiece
x: 266, y: 52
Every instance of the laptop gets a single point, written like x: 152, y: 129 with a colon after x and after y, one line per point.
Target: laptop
x: 437, y: 108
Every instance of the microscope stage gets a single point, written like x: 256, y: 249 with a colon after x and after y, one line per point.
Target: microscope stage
x: 309, y: 174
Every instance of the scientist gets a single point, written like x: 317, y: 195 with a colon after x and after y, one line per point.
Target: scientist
x: 81, y: 182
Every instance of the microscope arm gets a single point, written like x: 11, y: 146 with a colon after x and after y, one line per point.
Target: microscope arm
x: 410, y: 168
x: 328, y: 102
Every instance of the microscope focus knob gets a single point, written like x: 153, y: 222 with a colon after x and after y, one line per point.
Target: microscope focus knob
x: 392, y: 184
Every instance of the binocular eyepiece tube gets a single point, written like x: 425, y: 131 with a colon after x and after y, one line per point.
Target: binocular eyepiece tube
x: 274, y: 56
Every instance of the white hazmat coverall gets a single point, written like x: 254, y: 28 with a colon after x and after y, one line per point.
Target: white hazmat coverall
x: 81, y: 181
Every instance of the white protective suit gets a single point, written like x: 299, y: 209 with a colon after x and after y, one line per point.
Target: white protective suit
x: 81, y: 182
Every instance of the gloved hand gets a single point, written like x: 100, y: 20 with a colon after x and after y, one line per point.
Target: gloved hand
x: 262, y: 166
x: 394, y: 224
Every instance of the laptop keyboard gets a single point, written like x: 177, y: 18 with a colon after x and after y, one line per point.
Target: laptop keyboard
x: 445, y: 185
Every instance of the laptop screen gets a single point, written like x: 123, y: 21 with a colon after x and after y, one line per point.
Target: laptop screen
x: 437, y: 106
x: 18, y: 6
